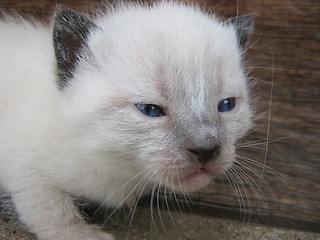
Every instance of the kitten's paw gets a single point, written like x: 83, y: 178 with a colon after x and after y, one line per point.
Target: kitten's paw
x: 100, y: 236
x: 84, y: 234
x: 96, y: 234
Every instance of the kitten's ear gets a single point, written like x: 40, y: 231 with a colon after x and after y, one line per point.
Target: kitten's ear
x: 70, y: 33
x: 243, y: 25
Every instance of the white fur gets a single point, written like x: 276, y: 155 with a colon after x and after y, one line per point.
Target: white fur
x: 89, y: 140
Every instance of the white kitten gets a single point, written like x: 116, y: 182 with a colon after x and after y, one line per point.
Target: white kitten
x: 107, y: 109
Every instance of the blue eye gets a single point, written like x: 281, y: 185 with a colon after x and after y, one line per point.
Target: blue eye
x: 150, y: 110
x: 227, y: 104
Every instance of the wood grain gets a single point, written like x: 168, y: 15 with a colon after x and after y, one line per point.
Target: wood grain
x: 284, y: 58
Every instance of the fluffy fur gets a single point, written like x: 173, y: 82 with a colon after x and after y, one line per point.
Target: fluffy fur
x: 81, y: 135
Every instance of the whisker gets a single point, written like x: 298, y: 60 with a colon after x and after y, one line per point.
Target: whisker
x: 154, y: 186
x: 119, y: 189
x: 244, y: 199
x: 139, y: 196
x: 169, y: 211
x: 268, y: 68
x: 269, y: 119
x: 158, y: 204
x: 235, y: 187
x: 255, y: 173
x: 184, y: 194
x: 175, y: 197
x: 128, y: 195
x: 259, y: 142
x: 249, y: 47
x: 263, y: 81
x: 269, y: 169
x: 249, y: 180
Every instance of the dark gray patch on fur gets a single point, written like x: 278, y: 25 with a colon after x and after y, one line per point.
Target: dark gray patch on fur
x: 243, y: 25
x: 70, y: 33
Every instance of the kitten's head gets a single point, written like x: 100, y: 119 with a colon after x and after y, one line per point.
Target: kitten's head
x: 159, y: 91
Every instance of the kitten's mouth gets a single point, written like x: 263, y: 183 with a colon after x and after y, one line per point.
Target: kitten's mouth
x: 196, y: 176
x: 195, y: 180
x: 198, y: 173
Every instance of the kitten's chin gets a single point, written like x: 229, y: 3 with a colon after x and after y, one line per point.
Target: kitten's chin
x: 193, y: 181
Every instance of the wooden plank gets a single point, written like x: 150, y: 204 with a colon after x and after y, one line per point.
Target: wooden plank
x: 286, y: 52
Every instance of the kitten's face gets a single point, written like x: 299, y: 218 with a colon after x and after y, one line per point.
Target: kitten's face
x: 167, y: 103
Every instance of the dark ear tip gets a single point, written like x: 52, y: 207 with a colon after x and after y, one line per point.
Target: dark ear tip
x: 61, y: 10
x: 244, y: 25
x: 70, y: 35
x: 65, y: 14
x: 244, y: 20
x: 250, y: 16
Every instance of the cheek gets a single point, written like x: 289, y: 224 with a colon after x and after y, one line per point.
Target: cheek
x: 236, y: 126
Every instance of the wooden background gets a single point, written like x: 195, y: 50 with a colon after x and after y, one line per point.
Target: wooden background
x: 284, y: 61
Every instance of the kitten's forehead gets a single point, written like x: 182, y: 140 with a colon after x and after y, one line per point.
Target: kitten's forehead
x: 199, y: 87
x: 198, y: 71
x: 181, y: 54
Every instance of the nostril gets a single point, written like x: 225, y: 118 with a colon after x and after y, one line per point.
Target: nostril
x: 194, y: 151
x: 204, y: 154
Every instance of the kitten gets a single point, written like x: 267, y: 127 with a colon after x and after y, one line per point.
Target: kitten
x: 106, y: 109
